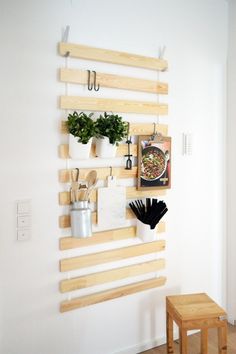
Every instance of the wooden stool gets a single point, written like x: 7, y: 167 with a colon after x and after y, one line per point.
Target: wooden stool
x: 195, y: 311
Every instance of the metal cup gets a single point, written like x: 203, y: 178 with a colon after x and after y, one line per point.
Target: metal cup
x: 81, y: 219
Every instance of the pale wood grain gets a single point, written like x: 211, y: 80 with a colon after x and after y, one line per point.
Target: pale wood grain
x: 114, y: 105
x: 135, y: 128
x: 111, y: 275
x: 77, y: 76
x: 89, y: 260
x: 112, y: 56
x: 102, y: 173
x: 131, y: 193
x: 111, y: 294
x: 103, y: 237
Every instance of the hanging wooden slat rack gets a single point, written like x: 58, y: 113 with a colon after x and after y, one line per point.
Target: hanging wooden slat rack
x: 67, y: 243
x: 114, y: 105
x: 91, y: 103
x: 77, y: 76
x: 111, y: 56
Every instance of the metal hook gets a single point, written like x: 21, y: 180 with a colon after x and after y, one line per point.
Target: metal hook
x: 155, y: 129
x: 94, y: 82
x: 77, y: 174
x: 154, y: 132
x: 90, y: 86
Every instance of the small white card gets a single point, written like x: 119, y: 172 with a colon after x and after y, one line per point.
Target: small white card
x: 111, y: 207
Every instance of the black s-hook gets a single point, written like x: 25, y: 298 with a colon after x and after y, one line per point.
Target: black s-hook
x: 94, y: 82
x: 90, y: 86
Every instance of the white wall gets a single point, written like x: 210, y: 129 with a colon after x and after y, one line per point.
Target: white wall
x: 195, y: 33
x: 231, y: 171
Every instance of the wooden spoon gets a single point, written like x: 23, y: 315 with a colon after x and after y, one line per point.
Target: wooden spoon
x: 91, y: 180
x: 74, y: 185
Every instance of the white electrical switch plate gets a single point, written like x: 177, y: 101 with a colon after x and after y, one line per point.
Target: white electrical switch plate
x: 187, y: 143
x: 23, y: 221
x: 23, y: 234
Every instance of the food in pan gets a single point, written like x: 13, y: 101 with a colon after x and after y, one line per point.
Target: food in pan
x: 153, y: 163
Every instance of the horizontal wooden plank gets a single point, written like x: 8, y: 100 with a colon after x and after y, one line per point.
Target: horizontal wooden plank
x: 122, y: 150
x: 111, y: 294
x: 131, y: 193
x: 135, y: 128
x: 114, y: 105
x: 102, y: 173
x: 77, y: 76
x: 89, y: 260
x: 103, y: 237
x: 111, y: 275
x: 64, y: 220
x: 97, y: 238
x: 112, y: 56
x: 147, y: 129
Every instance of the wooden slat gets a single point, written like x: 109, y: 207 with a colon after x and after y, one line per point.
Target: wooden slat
x: 111, y: 294
x: 111, y: 275
x: 135, y: 128
x: 122, y: 150
x: 102, y: 173
x: 131, y: 193
x: 147, y: 129
x: 89, y: 260
x: 112, y: 56
x: 103, y: 237
x: 114, y: 105
x: 97, y: 238
x: 64, y: 220
x: 77, y: 76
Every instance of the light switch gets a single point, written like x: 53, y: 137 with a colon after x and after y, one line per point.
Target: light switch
x: 23, y: 234
x: 23, y: 221
x: 23, y: 207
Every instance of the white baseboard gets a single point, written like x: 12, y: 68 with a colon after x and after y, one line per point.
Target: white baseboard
x: 156, y: 342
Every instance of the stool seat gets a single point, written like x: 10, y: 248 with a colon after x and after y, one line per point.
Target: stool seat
x: 195, y: 311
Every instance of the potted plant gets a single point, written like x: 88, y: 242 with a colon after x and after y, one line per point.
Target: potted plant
x: 82, y: 129
x: 110, y: 130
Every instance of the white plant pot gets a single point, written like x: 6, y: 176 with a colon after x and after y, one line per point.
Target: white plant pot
x: 78, y: 150
x: 104, y: 149
x: 144, y: 232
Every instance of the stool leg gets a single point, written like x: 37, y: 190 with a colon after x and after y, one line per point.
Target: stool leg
x: 222, y: 339
x: 169, y: 334
x: 183, y: 341
x: 204, y: 340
